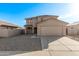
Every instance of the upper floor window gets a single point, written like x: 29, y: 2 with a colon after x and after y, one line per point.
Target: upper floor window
x: 30, y: 21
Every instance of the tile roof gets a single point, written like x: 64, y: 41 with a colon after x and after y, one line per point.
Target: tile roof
x: 41, y: 16
x: 7, y: 23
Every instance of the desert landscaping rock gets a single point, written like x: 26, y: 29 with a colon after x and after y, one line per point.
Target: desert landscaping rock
x: 20, y: 43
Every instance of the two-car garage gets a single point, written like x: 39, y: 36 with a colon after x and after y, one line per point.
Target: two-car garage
x: 51, y: 27
x: 51, y: 31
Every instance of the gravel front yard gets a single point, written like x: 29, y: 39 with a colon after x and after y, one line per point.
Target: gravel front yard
x: 20, y: 43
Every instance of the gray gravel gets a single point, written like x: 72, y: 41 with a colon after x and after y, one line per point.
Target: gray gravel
x: 20, y: 43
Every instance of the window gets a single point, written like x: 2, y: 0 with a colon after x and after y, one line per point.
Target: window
x: 29, y: 21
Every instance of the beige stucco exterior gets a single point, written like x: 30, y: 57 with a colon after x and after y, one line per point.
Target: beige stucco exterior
x: 73, y: 29
x: 51, y: 27
x: 37, y: 19
x: 46, y: 25
x: 9, y: 32
x: 8, y: 29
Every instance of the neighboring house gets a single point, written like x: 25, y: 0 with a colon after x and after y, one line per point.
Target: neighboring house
x: 73, y: 28
x: 45, y: 25
x: 8, y: 29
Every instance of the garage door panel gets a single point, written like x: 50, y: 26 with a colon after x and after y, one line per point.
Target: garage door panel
x: 51, y: 30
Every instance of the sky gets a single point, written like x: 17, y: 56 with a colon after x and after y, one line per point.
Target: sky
x: 16, y: 12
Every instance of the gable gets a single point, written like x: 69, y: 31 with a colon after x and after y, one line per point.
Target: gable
x: 52, y: 22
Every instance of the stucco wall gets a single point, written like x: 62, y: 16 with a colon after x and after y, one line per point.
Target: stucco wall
x: 9, y: 32
x: 51, y: 27
x: 35, y: 20
x: 73, y: 30
x: 3, y: 32
x: 51, y: 22
x: 13, y: 32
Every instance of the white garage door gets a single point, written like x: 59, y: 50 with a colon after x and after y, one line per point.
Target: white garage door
x: 51, y: 31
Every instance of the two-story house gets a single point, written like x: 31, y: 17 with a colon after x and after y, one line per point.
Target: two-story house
x: 45, y: 25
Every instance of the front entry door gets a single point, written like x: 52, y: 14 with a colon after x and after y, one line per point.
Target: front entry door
x: 35, y: 30
x: 29, y: 31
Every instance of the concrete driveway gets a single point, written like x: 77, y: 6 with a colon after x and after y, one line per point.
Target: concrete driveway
x: 65, y: 45
x: 57, y: 46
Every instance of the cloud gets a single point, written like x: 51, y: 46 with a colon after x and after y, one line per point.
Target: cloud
x: 73, y: 15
